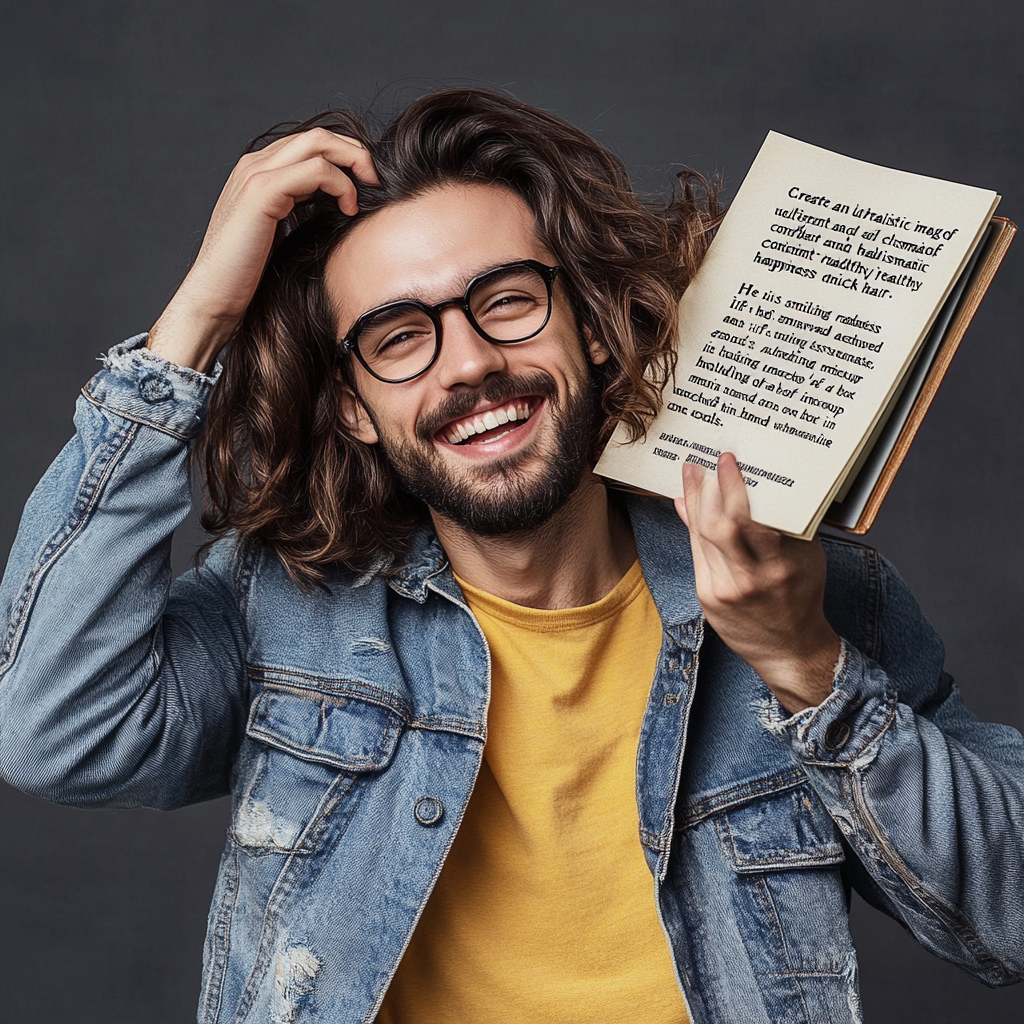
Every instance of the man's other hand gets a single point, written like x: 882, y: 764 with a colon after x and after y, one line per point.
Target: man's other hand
x: 762, y: 591
x: 262, y: 189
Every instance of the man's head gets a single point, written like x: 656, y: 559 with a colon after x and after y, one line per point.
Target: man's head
x: 493, y: 436
x: 310, y: 450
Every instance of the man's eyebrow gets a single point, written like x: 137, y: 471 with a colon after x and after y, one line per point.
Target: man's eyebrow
x: 461, y: 284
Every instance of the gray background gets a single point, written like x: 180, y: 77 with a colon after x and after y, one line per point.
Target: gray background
x: 123, y: 119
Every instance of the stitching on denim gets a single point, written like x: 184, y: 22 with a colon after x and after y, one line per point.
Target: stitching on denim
x: 305, y: 842
x: 90, y: 488
x: 371, y: 1014
x: 220, y: 943
x: 333, y: 687
x: 825, y: 855
x: 385, y: 747
x: 286, y: 884
x: 950, y: 917
x: 134, y: 418
x: 661, y: 842
x: 875, y: 579
x: 874, y: 740
x: 729, y: 798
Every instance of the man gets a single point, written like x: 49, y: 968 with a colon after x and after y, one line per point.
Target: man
x: 502, y: 745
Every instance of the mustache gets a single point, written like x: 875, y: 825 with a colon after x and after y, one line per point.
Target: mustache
x: 501, y: 389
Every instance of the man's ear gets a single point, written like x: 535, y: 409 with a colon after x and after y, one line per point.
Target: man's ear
x: 597, y: 350
x: 354, y: 415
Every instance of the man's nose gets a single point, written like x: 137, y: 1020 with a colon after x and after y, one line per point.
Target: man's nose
x: 466, y: 357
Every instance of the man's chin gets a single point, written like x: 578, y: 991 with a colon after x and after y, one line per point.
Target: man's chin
x: 511, y: 493
x: 502, y: 498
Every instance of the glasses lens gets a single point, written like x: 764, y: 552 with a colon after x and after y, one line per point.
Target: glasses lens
x: 397, y: 342
x: 510, y: 304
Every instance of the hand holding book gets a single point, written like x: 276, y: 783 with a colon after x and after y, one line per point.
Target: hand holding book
x: 816, y: 331
x: 761, y: 591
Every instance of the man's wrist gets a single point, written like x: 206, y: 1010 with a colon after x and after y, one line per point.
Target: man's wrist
x: 804, y: 680
x: 190, y: 335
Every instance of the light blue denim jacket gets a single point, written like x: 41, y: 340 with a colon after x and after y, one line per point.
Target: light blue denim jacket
x: 349, y: 727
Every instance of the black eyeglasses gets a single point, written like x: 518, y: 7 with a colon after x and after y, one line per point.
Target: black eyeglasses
x: 402, y: 340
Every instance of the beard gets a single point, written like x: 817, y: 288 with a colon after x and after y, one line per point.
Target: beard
x: 504, y: 497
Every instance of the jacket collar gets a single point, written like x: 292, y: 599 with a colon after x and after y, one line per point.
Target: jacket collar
x: 663, y: 545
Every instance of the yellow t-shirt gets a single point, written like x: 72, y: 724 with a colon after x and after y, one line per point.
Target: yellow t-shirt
x: 544, y: 910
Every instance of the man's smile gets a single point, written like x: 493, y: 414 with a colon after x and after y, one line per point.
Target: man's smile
x: 489, y: 424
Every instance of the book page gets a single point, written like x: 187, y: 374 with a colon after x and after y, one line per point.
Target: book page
x: 811, y: 302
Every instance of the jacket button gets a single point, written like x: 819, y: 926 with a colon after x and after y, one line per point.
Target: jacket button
x: 428, y: 810
x: 837, y: 735
x: 154, y: 388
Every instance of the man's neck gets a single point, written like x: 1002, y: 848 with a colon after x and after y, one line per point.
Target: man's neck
x: 574, y: 559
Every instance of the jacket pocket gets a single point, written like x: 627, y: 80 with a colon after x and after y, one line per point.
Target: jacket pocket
x: 305, y: 752
x: 780, y: 832
x: 789, y: 903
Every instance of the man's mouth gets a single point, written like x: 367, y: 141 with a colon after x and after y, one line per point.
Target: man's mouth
x: 491, y: 425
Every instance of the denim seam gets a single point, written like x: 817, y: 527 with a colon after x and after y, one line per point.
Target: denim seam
x: 767, y: 900
x: 285, y: 885
x: 220, y: 943
x: 950, y: 917
x: 280, y: 679
x: 738, y: 795
x: 135, y: 418
x: 661, y: 843
x: 875, y: 580
x: 823, y: 855
x: 385, y: 746
x: 90, y: 488
x: 304, y: 843
x: 875, y: 739
x: 371, y: 1014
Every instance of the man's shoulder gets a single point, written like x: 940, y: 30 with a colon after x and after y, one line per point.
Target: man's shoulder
x: 869, y: 603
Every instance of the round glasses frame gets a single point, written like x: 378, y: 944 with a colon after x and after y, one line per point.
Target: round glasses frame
x: 350, y: 343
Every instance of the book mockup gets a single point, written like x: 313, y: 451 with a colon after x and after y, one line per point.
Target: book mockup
x: 815, y: 334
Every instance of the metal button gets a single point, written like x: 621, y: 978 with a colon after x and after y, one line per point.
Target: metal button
x: 154, y: 388
x: 837, y: 735
x: 428, y: 810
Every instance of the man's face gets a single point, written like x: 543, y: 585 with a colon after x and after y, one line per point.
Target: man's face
x: 526, y: 410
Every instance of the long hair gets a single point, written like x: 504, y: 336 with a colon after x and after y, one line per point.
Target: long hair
x: 279, y: 465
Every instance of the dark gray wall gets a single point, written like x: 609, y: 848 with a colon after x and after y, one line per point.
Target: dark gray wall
x: 123, y: 119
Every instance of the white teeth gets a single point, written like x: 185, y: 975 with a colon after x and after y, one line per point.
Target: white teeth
x: 465, y: 429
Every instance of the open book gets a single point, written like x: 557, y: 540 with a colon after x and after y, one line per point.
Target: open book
x: 816, y: 332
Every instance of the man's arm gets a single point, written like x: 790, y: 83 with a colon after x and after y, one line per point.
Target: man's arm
x: 117, y: 687
x: 929, y: 799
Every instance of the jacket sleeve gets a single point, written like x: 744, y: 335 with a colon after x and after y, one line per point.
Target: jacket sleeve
x: 117, y: 687
x: 929, y: 799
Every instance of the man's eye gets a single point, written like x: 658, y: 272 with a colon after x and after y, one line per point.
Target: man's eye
x: 509, y: 303
x: 402, y: 339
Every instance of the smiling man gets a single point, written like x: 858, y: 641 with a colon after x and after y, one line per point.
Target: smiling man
x: 501, y: 745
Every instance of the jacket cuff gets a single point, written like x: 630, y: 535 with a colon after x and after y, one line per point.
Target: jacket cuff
x: 846, y: 726
x: 140, y: 386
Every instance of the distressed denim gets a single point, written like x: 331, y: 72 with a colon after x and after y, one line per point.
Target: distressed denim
x: 349, y: 726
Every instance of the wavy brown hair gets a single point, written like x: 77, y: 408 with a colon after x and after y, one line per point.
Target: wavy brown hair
x: 279, y: 465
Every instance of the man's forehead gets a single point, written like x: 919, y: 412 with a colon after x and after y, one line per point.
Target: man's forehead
x: 430, y: 247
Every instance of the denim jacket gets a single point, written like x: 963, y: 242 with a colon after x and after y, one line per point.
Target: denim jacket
x: 350, y: 725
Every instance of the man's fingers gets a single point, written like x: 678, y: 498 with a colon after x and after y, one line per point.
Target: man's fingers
x: 282, y: 187
x: 735, y: 502
x: 340, y: 150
